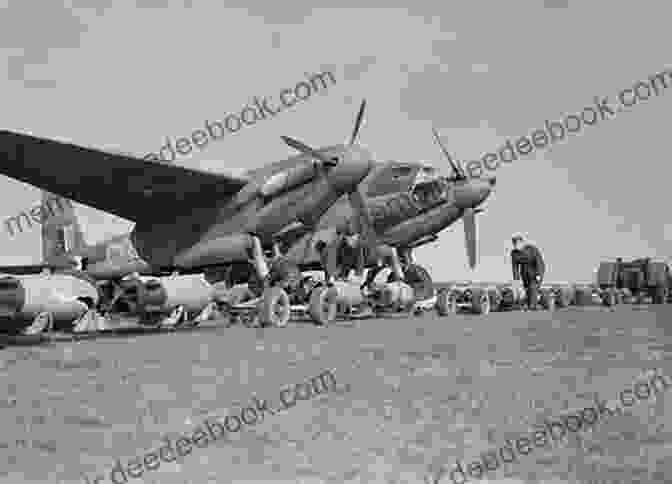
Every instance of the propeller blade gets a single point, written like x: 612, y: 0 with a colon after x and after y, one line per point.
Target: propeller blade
x: 307, y: 150
x: 454, y: 165
x: 469, y: 221
x: 358, y: 122
x: 368, y: 239
x: 362, y: 221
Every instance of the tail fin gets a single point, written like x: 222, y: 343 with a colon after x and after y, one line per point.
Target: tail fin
x: 61, y: 233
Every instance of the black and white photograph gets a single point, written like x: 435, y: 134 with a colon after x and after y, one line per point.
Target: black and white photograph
x: 277, y: 243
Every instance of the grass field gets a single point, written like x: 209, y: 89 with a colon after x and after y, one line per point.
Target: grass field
x: 413, y: 395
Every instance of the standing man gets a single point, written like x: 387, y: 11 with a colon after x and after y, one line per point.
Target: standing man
x: 331, y: 255
x: 528, y: 266
x: 349, y: 254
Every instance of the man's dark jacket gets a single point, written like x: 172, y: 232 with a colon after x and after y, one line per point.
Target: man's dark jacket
x: 527, y: 263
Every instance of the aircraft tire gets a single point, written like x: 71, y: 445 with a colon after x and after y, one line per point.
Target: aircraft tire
x: 446, y: 303
x: 660, y: 295
x: 323, y: 305
x: 480, y: 302
x: 609, y: 298
x: 419, y: 279
x: 275, y: 309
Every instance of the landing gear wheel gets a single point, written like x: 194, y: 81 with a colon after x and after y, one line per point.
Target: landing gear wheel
x: 446, y: 303
x: 275, y: 309
x: 322, y: 306
x: 480, y: 302
x: 419, y: 279
x: 660, y: 295
x: 609, y: 298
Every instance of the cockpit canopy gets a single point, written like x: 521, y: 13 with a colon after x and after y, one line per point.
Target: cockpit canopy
x: 424, y: 183
x: 429, y: 193
x: 429, y: 188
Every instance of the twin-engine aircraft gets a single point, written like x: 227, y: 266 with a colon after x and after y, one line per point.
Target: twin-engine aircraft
x: 189, y: 220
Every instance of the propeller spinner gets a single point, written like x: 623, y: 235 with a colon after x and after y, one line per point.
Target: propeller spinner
x: 469, y: 193
x: 347, y: 168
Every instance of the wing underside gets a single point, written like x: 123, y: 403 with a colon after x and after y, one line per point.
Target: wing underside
x: 138, y: 190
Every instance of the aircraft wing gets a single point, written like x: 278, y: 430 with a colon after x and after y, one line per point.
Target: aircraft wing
x: 132, y: 188
x: 56, y: 263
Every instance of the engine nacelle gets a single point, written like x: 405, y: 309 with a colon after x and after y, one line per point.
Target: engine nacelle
x: 164, y: 294
x: 286, y: 179
x: 65, y: 296
x: 221, y: 250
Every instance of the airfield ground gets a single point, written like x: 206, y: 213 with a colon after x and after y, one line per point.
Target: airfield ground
x: 413, y: 394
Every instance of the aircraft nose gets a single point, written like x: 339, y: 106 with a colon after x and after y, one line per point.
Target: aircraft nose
x: 473, y: 192
x: 351, y: 169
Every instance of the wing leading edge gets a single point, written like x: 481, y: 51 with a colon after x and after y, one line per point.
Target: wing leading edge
x: 138, y: 190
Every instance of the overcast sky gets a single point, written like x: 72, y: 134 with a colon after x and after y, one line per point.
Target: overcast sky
x: 126, y: 76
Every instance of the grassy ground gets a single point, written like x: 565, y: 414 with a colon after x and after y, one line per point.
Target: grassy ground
x: 414, y: 395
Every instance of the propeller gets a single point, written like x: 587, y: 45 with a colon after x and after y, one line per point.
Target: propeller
x: 457, y: 168
x: 368, y: 238
x: 469, y: 221
x: 327, y: 162
x: 358, y: 122
x: 307, y: 150
x: 469, y: 216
